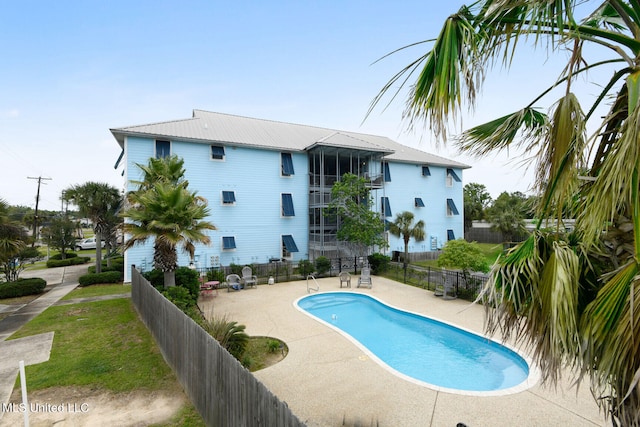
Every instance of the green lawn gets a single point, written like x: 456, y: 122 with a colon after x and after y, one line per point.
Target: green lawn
x: 102, y: 345
x: 490, y: 251
x: 98, y: 290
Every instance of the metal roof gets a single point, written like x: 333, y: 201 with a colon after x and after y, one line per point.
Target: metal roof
x: 207, y: 127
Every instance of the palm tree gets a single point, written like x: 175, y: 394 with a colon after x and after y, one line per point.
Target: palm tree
x: 403, y: 226
x: 173, y: 216
x: 572, y: 296
x: 12, y: 241
x: 167, y: 169
x: 164, y: 209
x: 98, y: 202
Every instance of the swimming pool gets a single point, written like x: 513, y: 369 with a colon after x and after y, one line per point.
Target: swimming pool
x: 421, y: 349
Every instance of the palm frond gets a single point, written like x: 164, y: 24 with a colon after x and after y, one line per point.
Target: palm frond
x: 562, y: 157
x: 610, y: 329
x: 612, y: 190
x: 528, y: 125
x: 450, y: 73
x: 532, y: 296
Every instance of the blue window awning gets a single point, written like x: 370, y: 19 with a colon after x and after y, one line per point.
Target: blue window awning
x: 426, y: 171
x: 387, y: 174
x: 289, y: 243
x: 228, y: 197
x: 419, y: 203
x: 228, y: 242
x: 287, y: 164
x: 453, y: 175
x: 217, y: 152
x: 451, y: 235
x: 287, y: 205
x: 386, y: 206
x: 119, y: 159
x: 452, y: 207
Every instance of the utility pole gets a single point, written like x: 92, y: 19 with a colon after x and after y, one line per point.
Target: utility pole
x: 35, y: 217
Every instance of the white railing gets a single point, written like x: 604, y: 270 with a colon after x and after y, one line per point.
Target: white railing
x: 312, y: 287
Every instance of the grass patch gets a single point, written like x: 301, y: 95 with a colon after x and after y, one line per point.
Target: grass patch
x: 98, y: 291
x: 262, y: 352
x: 491, y: 251
x: 103, y: 345
x: 100, y: 344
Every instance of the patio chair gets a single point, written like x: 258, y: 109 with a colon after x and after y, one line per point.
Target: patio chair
x: 446, y: 289
x: 248, y: 279
x: 233, y: 282
x: 365, y: 278
x: 345, y: 278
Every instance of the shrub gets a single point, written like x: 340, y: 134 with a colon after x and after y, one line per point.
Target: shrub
x: 117, y: 264
x: 188, y: 278
x: 236, y: 269
x: 105, y: 277
x: 216, y: 275
x: 229, y: 334
x: 379, y: 263
x: 155, y: 277
x: 77, y: 260
x: 273, y: 346
x: 22, y: 287
x: 305, y: 267
x: 185, y: 277
x: 67, y: 255
x: 180, y: 297
x: 323, y: 264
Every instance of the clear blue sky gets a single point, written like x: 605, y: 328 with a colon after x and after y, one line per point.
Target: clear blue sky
x: 73, y: 69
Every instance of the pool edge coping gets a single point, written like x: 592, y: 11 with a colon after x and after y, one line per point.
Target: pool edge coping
x: 532, y: 379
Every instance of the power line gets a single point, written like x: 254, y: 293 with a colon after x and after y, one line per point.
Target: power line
x: 35, y: 217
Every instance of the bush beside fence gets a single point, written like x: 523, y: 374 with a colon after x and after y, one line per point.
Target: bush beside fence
x: 220, y: 388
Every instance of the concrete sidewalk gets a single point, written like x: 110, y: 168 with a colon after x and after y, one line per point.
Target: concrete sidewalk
x: 34, y: 349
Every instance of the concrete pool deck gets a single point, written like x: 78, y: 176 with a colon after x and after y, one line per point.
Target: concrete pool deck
x: 328, y: 381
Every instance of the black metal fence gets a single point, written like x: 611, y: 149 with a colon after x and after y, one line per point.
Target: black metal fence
x: 284, y: 271
x: 220, y: 388
x: 466, y: 286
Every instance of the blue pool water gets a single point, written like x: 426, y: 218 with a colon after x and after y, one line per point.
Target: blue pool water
x: 418, y: 347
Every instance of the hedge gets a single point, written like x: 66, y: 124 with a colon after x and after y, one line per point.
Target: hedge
x: 66, y: 255
x: 66, y: 262
x: 22, y: 287
x: 106, y: 277
x: 117, y: 264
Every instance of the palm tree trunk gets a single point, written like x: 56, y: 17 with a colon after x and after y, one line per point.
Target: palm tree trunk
x: 169, y: 278
x: 406, y: 255
x: 98, y: 252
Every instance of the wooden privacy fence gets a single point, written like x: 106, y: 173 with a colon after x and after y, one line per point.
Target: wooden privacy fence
x: 220, y: 388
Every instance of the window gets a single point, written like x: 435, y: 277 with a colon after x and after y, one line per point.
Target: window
x: 228, y: 243
x: 286, y: 164
x: 163, y: 149
x: 419, y: 203
x: 217, y: 152
x: 452, y: 176
x: 387, y: 174
x: 386, y: 207
x: 451, y: 208
x: 288, y: 246
x: 287, y: 205
x: 426, y: 171
x: 450, y: 235
x: 228, y: 197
